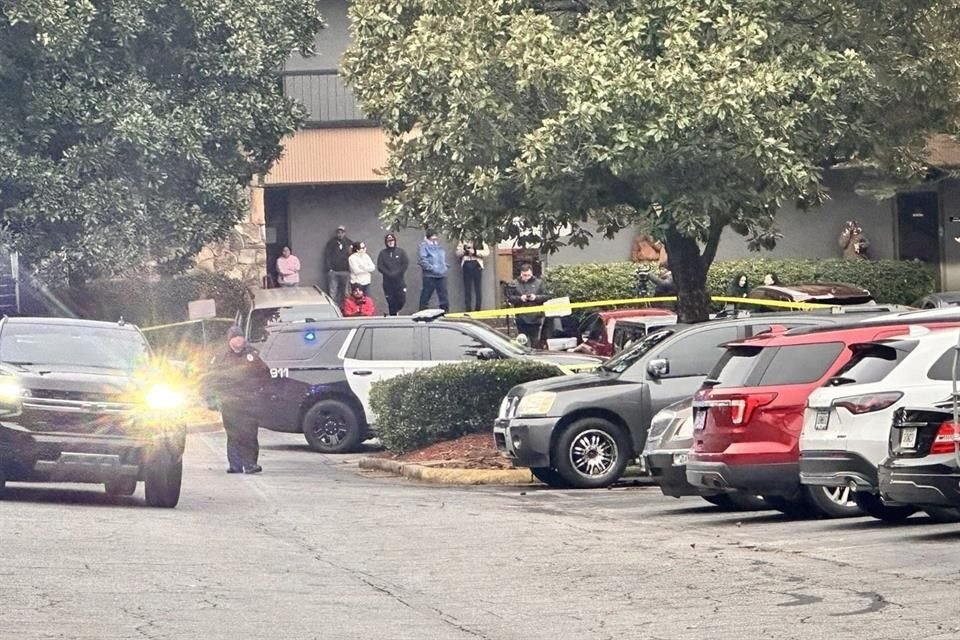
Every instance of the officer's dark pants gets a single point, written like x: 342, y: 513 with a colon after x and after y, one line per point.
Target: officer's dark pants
x: 243, y: 446
x: 531, y: 330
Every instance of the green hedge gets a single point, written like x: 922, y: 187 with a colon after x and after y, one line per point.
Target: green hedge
x: 890, y: 281
x: 147, y: 302
x: 447, y: 401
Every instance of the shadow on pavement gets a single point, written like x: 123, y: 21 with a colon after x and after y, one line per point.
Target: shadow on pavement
x: 87, y: 497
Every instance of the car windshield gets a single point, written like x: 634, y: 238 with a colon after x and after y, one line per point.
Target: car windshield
x: 625, y: 360
x: 261, y: 320
x: 65, y: 345
x: 497, y: 340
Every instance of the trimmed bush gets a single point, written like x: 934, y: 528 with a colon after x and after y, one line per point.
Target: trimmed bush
x: 447, y: 401
x: 890, y: 281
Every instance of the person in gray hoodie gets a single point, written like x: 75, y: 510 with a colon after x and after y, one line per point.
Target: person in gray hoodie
x: 432, y: 258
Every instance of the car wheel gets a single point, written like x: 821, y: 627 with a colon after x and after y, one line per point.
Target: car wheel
x: 592, y: 453
x: 331, y: 426
x: 943, y: 515
x: 793, y: 507
x: 3, y: 481
x: 164, y: 475
x: 873, y: 506
x: 550, y: 477
x: 121, y: 486
x: 833, y: 502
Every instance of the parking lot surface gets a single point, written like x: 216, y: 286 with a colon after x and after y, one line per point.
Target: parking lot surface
x: 313, y: 548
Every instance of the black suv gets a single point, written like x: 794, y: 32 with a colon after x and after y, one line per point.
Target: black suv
x: 581, y: 431
x: 321, y: 373
x: 93, y: 408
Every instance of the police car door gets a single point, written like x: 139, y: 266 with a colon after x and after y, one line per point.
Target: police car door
x: 448, y: 344
x: 379, y: 352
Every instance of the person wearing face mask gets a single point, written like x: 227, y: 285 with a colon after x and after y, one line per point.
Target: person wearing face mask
x: 361, y: 266
x: 392, y: 263
x: 432, y: 258
x: 236, y: 378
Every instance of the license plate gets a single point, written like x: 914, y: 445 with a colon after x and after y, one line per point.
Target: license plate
x: 822, y: 420
x: 699, y: 420
x: 908, y: 438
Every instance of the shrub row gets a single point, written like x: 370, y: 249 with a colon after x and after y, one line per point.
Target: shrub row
x: 890, y: 281
x: 447, y: 401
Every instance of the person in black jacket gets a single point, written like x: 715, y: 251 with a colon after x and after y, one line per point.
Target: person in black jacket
x: 235, y: 381
x: 336, y: 262
x: 392, y: 263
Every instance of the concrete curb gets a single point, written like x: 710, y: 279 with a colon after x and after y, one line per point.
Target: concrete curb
x: 448, y: 476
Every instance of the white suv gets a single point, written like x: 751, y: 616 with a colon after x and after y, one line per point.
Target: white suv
x: 846, y: 424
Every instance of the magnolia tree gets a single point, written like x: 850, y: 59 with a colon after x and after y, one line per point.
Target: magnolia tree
x: 688, y: 116
x: 130, y: 128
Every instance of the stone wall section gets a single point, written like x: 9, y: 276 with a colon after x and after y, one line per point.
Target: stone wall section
x: 243, y: 255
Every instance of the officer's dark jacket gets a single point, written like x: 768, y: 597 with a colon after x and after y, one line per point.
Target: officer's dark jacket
x: 235, y: 379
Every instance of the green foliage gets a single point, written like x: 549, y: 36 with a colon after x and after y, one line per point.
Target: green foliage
x: 447, y: 401
x: 147, y: 302
x: 519, y: 118
x: 131, y: 128
x: 890, y: 281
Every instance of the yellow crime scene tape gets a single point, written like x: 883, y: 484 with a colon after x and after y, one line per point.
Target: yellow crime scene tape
x: 564, y: 306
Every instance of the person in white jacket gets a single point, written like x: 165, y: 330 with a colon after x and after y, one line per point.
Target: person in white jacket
x: 361, y: 266
x: 471, y: 256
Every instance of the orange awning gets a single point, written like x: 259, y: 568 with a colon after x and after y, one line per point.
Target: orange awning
x: 331, y: 156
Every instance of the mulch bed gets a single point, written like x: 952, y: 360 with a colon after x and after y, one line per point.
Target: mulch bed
x: 474, y: 451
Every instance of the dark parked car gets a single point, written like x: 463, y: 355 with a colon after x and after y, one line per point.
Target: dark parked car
x: 321, y: 373
x: 582, y: 430
x: 924, y: 466
x: 944, y: 300
x: 94, y: 409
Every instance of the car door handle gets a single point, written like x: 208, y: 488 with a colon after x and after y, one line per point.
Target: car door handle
x: 363, y: 373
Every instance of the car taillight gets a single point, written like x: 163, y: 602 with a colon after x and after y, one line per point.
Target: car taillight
x: 868, y: 403
x: 944, y: 442
x: 738, y: 409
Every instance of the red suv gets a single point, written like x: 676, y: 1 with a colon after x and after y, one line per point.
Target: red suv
x: 748, y: 415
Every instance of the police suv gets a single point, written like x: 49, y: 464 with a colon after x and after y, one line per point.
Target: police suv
x: 321, y: 372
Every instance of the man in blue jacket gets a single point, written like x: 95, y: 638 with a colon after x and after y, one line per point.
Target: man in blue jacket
x: 432, y: 258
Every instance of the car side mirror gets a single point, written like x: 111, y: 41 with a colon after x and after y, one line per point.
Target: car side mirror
x: 658, y: 367
x: 485, y: 353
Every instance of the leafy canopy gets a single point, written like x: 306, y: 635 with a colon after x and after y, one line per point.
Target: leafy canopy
x: 525, y: 116
x: 131, y: 127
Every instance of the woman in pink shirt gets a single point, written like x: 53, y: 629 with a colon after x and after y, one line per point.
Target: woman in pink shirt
x: 288, y: 269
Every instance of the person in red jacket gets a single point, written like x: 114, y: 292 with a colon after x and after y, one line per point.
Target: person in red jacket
x: 358, y: 303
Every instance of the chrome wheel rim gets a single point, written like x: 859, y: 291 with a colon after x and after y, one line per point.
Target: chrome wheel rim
x: 330, y: 428
x: 594, y: 453
x: 840, y: 496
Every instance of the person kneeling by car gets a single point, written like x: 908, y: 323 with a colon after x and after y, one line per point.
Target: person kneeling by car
x: 235, y: 381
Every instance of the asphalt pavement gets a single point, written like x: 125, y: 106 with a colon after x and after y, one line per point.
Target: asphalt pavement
x: 313, y: 548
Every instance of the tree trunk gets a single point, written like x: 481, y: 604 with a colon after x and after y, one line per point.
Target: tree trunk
x: 689, y: 276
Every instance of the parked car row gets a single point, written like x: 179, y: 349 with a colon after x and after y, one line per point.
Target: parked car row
x: 833, y: 414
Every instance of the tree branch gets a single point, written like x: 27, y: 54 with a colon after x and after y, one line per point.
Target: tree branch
x: 713, y: 241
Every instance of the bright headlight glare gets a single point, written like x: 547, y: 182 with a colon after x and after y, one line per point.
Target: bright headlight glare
x: 10, y: 391
x: 536, y: 404
x: 162, y: 397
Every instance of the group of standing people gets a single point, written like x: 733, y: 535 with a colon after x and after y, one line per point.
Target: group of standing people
x: 349, y: 269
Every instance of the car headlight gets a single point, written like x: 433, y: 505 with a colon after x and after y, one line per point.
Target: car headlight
x: 10, y: 391
x: 504, y: 406
x: 686, y: 427
x: 536, y: 404
x: 659, y: 424
x: 160, y: 397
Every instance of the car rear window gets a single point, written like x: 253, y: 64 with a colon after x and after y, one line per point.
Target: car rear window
x: 754, y: 366
x: 942, y: 367
x: 872, y: 362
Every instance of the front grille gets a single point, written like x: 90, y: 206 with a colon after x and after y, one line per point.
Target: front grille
x: 75, y: 396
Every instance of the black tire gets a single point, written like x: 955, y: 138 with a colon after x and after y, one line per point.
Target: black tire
x: 832, y: 502
x: 550, y: 477
x: 873, y: 506
x: 332, y: 426
x: 721, y: 500
x: 595, y: 445
x: 164, y: 475
x: 737, y: 501
x: 943, y: 515
x: 794, y: 507
x: 121, y: 486
x: 3, y: 482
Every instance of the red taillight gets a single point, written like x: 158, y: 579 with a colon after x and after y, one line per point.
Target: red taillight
x: 737, y: 410
x: 944, y: 442
x: 868, y: 403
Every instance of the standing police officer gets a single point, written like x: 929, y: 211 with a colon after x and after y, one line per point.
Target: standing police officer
x: 235, y: 380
